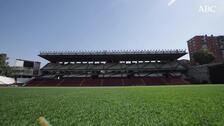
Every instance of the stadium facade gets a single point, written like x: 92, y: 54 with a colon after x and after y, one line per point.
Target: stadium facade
x: 112, y: 68
x: 25, y: 70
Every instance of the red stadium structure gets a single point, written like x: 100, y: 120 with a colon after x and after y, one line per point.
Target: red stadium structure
x: 111, y: 68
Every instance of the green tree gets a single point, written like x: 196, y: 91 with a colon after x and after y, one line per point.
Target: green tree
x: 5, y: 69
x: 203, y: 57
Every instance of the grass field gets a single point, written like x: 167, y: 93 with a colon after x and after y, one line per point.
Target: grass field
x: 159, y: 105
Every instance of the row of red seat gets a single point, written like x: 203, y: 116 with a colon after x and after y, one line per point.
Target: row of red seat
x: 106, y: 81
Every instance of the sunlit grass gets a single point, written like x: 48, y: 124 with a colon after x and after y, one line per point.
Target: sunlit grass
x: 160, y: 105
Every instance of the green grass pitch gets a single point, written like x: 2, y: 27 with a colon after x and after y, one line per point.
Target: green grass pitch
x: 155, y: 105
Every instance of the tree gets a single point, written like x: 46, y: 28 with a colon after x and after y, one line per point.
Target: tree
x: 5, y: 69
x: 203, y: 57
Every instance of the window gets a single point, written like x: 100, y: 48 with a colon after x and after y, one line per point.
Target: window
x: 204, y: 46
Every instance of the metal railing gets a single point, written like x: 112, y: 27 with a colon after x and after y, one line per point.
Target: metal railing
x: 23, y: 71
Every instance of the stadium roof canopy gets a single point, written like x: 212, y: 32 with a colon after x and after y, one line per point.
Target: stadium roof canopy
x: 112, y: 56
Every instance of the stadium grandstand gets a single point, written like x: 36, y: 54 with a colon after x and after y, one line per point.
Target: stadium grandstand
x: 111, y: 68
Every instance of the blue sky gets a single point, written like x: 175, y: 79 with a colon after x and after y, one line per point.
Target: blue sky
x: 30, y: 26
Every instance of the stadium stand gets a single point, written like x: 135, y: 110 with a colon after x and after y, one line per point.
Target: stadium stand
x: 111, y: 68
